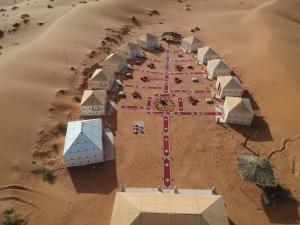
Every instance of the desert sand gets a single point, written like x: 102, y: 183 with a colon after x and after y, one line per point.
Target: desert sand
x: 258, y: 38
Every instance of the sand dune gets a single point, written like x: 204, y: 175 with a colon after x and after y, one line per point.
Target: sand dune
x: 259, y: 39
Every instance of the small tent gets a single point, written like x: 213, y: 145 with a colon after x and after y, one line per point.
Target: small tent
x: 115, y: 63
x: 93, y: 103
x: 228, y: 86
x: 237, y: 110
x: 130, y: 51
x: 205, y: 54
x: 217, y: 67
x: 102, y: 80
x: 190, y: 44
x: 83, y: 143
x: 148, y: 41
x: 145, y: 208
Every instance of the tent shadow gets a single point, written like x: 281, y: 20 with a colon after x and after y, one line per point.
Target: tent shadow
x: 254, y: 104
x: 284, y: 211
x: 95, y: 178
x: 259, y: 130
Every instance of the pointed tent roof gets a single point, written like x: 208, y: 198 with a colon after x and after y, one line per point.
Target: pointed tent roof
x: 237, y: 104
x: 93, y: 97
x: 217, y: 63
x: 230, y: 82
x: 207, y: 51
x: 168, y: 209
x: 148, y: 37
x: 100, y: 75
x: 88, y: 130
x: 129, y: 47
x: 114, y: 58
x: 192, y: 40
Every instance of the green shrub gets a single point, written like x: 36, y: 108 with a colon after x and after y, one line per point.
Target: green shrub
x: 77, y: 98
x: 12, y: 218
x: 48, y: 174
x: 61, y: 127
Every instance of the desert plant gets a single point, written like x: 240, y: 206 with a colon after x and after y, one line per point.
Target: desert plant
x: 61, y: 127
x: 48, y: 174
x: 77, y: 98
x: 12, y: 218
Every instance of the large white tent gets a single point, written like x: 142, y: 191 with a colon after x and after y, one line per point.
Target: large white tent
x: 190, y: 44
x: 148, y: 41
x: 115, y: 63
x: 237, y: 110
x: 205, y: 54
x: 93, y: 103
x: 102, y: 80
x: 83, y: 143
x: 217, y: 67
x: 229, y: 86
x: 146, y: 208
x: 130, y: 51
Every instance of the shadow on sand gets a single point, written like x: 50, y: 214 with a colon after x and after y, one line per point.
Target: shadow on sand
x: 259, y: 130
x: 254, y: 104
x: 96, y: 178
x: 284, y: 211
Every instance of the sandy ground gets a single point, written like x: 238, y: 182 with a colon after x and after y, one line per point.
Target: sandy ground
x: 258, y: 38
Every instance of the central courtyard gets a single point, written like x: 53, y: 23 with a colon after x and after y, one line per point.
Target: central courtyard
x: 174, y: 93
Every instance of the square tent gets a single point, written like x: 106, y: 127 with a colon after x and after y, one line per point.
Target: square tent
x: 237, y: 110
x: 130, y: 51
x: 217, y: 67
x: 102, y: 80
x: 83, y: 143
x: 148, y: 41
x: 205, y: 54
x: 228, y: 86
x: 93, y: 103
x: 115, y: 63
x: 191, y: 44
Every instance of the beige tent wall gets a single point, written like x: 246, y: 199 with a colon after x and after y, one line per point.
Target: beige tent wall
x: 93, y: 110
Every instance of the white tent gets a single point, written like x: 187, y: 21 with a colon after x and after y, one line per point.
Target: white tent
x: 115, y: 63
x: 148, y: 41
x: 217, y: 67
x: 83, y: 143
x: 237, y: 111
x: 130, y: 51
x: 228, y: 86
x: 93, y: 103
x: 205, y: 54
x: 102, y: 80
x: 190, y: 44
x: 146, y: 208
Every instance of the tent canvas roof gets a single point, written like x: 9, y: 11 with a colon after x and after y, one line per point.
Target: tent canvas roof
x: 207, y: 51
x: 192, y: 40
x: 115, y: 58
x: 90, y: 130
x: 93, y: 97
x: 217, y: 63
x: 240, y: 105
x: 166, y: 208
x: 230, y: 82
x: 102, y: 75
x: 148, y: 37
x: 129, y: 47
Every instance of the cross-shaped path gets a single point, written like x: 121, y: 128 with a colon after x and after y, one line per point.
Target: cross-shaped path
x: 166, y: 91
